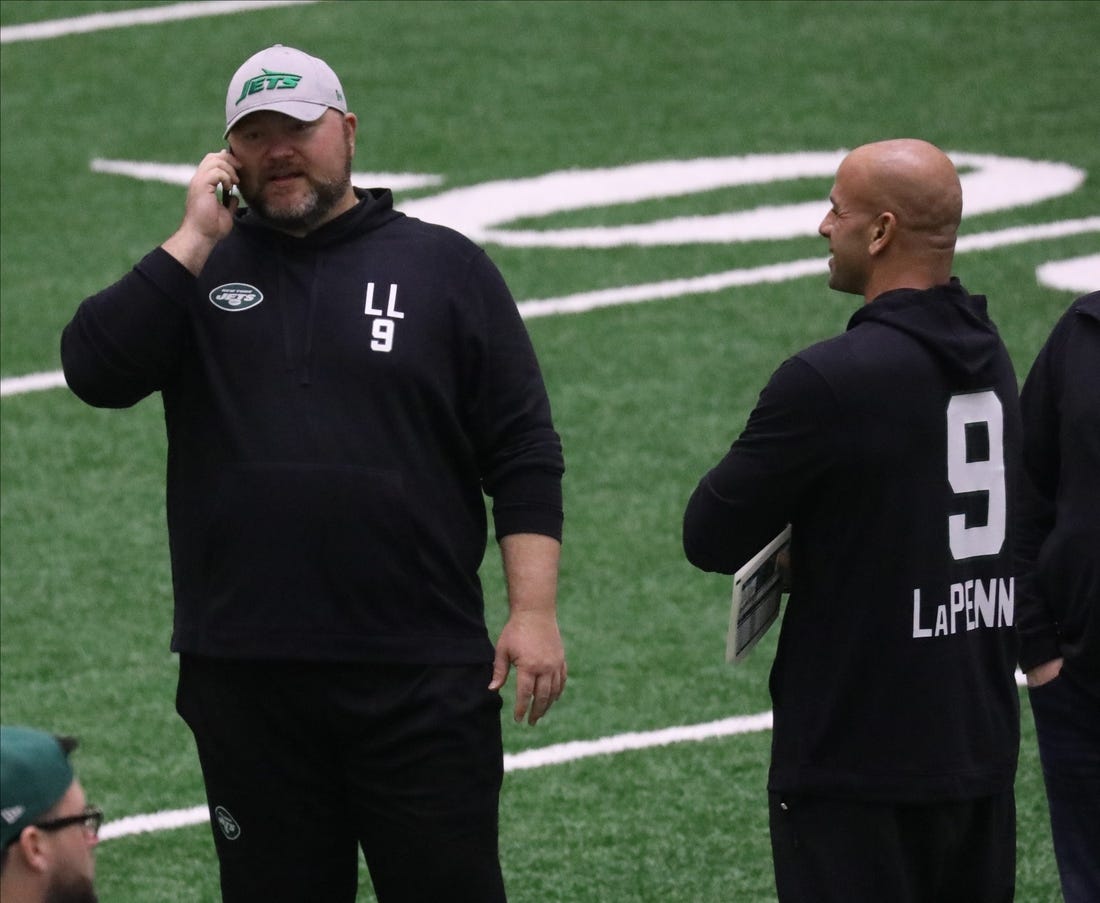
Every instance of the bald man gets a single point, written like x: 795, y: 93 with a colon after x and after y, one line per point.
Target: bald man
x: 892, y: 450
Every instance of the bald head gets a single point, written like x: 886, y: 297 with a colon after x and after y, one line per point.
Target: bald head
x: 896, y: 210
x: 916, y: 181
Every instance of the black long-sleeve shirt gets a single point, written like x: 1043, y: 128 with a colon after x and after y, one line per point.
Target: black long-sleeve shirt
x: 1059, y: 604
x: 336, y: 405
x: 892, y: 451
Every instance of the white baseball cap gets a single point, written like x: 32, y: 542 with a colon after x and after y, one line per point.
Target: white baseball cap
x: 285, y: 80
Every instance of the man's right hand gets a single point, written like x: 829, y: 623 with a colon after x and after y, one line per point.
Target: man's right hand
x: 205, y: 220
x: 1044, y: 673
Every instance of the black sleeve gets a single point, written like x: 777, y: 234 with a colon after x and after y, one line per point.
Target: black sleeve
x: 751, y: 494
x: 1039, y: 403
x: 124, y: 342
x: 519, y: 451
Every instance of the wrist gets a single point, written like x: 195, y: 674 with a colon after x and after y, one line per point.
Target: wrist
x: 190, y: 248
x: 1044, y: 673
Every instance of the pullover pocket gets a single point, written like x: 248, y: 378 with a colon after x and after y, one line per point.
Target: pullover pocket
x: 311, y: 548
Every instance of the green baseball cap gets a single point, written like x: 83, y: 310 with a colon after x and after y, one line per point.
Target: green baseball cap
x: 34, y: 774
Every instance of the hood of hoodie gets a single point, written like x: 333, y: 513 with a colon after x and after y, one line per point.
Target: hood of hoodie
x: 1089, y: 306
x: 946, y: 319
x: 308, y: 253
x: 375, y: 208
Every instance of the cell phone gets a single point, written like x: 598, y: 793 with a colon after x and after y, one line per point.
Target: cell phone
x: 227, y: 191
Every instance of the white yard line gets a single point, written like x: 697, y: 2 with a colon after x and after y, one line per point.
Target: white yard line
x: 781, y: 272
x: 532, y: 758
x: 607, y: 746
x: 33, y: 382
x: 56, y: 28
x: 558, y: 754
x: 678, y: 288
x: 1076, y: 274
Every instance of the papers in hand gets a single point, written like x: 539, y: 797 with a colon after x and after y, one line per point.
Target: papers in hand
x: 757, y: 587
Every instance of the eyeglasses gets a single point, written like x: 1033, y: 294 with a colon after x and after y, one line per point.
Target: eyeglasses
x: 90, y: 820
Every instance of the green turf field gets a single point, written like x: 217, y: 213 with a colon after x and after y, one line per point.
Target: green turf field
x: 646, y: 395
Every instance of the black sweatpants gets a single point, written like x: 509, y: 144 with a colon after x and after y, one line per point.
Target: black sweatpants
x: 849, y: 851
x: 304, y: 763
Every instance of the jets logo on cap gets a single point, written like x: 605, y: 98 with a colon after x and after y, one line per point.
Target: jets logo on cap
x: 269, y: 81
x: 234, y: 296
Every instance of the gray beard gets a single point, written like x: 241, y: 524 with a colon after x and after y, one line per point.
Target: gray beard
x: 305, y: 217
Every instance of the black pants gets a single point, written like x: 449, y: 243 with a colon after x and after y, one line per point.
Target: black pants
x: 848, y: 851
x: 1067, y: 721
x: 305, y: 763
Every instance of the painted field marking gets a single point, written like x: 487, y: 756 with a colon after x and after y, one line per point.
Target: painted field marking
x: 1070, y: 275
x: 698, y: 285
x: 56, y: 28
x: 33, y: 382
x: 557, y: 754
x: 781, y: 272
x: 181, y: 173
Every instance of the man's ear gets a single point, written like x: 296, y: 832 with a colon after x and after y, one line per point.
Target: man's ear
x: 351, y: 122
x: 883, y: 229
x: 31, y: 846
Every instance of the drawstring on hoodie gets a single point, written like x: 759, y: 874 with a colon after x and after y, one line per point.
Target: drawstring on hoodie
x: 289, y: 328
x: 307, y: 355
x: 284, y: 312
x: 374, y: 208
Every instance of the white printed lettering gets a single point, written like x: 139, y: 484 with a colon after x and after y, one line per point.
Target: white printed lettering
x: 383, y: 329
x: 1007, y: 598
x: 985, y: 605
x: 918, y: 631
x: 958, y: 601
x: 986, y: 476
x: 391, y: 309
x: 971, y: 605
x: 370, y: 310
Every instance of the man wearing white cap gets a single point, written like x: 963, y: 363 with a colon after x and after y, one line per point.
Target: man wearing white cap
x: 342, y: 385
x: 48, y: 833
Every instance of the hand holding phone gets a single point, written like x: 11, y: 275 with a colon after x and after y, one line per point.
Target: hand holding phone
x: 204, y: 225
x: 227, y: 190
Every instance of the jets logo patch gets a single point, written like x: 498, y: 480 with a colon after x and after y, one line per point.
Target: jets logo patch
x: 234, y: 296
x: 227, y: 823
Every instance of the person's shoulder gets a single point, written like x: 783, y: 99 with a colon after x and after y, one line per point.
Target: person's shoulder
x: 444, y: 237
x: 1081, y: 317
x: 862, y: 362
x: 834, y: 354
x: 1087, y: 305
x: 814, y: 372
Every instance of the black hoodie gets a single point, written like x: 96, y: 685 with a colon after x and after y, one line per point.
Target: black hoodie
x: 335, y: 406
x: 892, y: 451
x: 1059, y: 606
